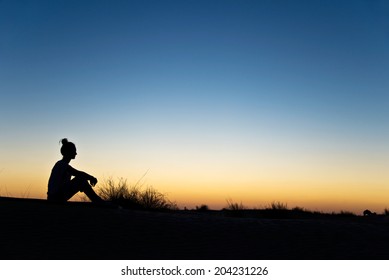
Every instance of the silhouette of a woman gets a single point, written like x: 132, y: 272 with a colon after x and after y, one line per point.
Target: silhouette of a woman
x: 61, y: 185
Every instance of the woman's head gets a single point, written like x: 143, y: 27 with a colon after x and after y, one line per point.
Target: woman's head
x: 68, y: 149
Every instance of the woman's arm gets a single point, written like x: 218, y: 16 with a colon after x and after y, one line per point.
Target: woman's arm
x: 81, y: 174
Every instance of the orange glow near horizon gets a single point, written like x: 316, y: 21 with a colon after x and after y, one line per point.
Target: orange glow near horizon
x: 318, y: 181
x: 253, y: 101
x: 325, y: 195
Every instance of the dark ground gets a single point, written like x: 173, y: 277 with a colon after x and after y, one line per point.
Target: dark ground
x: 36, y: 229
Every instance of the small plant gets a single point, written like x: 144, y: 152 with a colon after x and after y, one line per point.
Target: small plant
x: 134, y: 197
x: 234, y: 206
x: 202, y: 208
x: 276, y: 205
x: 6, y: 193
x: 346, y: 214
x: 152, y: 199
x: 114, y: 191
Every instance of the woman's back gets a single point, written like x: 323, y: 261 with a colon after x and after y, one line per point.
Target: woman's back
x: 59, y: 177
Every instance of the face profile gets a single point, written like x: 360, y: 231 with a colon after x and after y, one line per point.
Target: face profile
x: 68, y: 149
x: 73, y: 153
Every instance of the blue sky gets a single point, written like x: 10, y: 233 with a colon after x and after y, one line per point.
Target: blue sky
x: 226, y: 81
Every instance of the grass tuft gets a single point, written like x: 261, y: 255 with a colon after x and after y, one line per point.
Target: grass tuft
x: 344, y: 213
x: 134, y: 197
x: 234, y: 206
x: 202, y: 208
x: 276, y: 205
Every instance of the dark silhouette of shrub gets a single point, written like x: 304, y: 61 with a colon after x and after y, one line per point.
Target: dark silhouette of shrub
x: 134, y: 197
x: 367, y: 212
x: 202, y: 208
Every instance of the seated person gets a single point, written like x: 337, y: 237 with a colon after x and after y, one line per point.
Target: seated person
x: 61, y: 185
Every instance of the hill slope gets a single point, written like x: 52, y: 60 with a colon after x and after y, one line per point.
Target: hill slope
x: 36, y: 229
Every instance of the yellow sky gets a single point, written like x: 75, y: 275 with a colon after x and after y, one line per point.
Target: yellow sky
x: 214, y: 102
x: 316, y: 187
x: 342, y: 180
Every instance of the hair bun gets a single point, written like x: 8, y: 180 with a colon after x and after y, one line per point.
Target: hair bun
x: 64, y: 141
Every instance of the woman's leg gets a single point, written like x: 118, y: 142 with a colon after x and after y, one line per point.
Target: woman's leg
x: 81, y: 185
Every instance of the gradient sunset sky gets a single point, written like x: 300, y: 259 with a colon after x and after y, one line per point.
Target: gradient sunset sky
x: 256, y: 101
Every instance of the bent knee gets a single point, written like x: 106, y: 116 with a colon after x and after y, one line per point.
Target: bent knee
x: 81, y: 183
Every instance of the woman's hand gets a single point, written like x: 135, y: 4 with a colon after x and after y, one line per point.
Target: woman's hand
x: 93, y: 181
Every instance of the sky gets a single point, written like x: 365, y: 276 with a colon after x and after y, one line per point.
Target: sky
x: 254, y: 101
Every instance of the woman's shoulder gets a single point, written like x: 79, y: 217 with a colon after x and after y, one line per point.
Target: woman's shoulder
x: 61, y: 164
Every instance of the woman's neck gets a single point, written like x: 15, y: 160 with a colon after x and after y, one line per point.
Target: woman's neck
x: 66, y: 159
